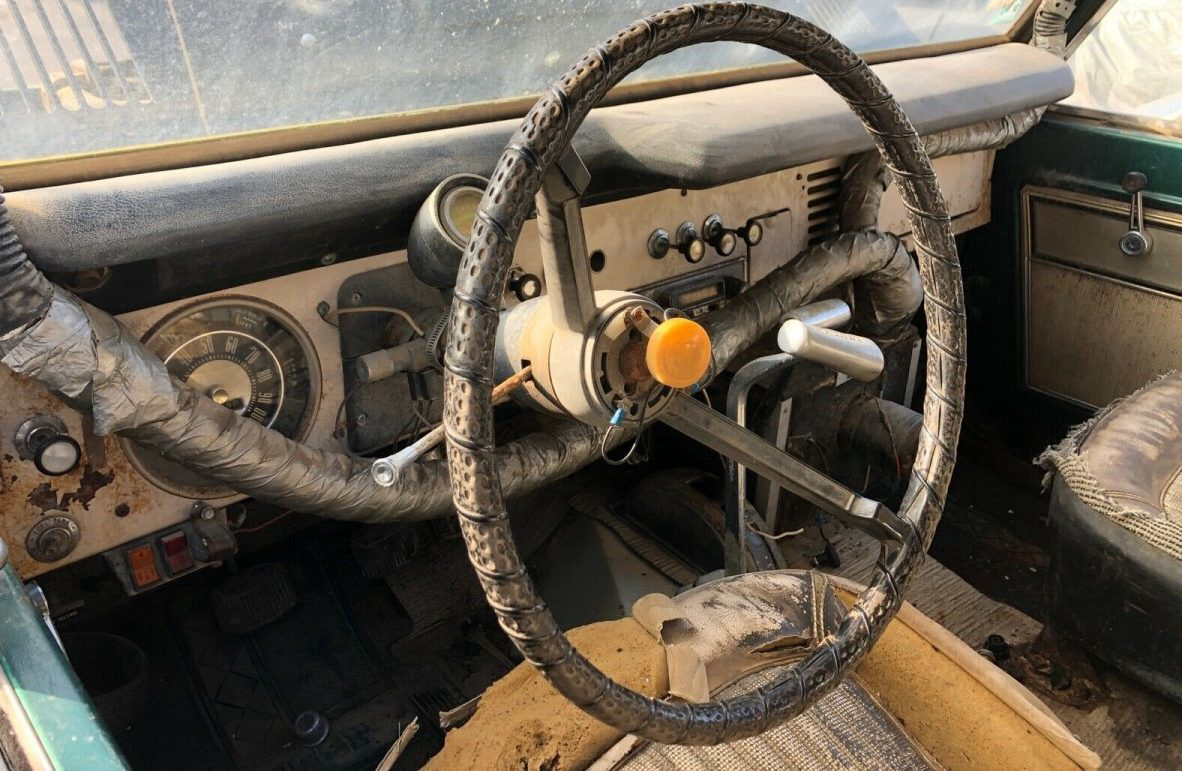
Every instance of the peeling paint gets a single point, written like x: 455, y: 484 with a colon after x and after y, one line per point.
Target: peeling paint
x: 43, y: 497
x: 92, y: 481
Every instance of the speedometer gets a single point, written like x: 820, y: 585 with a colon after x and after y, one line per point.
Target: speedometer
x: 245, y: 355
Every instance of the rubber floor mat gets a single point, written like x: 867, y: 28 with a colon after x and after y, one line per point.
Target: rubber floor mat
x: 255, y: 684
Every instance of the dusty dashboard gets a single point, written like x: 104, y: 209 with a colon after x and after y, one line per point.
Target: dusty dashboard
x: 339, y: 357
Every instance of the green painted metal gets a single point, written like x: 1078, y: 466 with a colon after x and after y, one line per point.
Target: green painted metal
x: 1077, y: 154
x: 57, y: 706
x: 1062, y: 152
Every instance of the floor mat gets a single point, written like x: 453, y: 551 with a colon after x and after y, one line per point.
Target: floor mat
x: 254, y: 685
x: 1133, y: 728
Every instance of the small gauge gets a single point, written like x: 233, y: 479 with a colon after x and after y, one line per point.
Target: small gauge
x: 459, y: 211
x: 245, y: 355
x: 441, y: 229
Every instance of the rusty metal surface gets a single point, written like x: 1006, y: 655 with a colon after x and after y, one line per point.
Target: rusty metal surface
x: 110, y: 502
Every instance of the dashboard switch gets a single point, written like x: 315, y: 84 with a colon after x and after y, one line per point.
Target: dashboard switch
x: 52, y: 538
x: 43, y: 440
x: 524, y: 286
x: 752, y: 232
x: 723, y: 239
x: 658, y: 243
x: 141, y: 563
x: 177, y: 556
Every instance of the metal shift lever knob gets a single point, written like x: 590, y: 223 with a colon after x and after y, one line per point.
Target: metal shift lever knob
x: 858, y: 357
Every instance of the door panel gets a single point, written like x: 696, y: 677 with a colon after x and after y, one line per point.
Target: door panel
x: 1060, y: 321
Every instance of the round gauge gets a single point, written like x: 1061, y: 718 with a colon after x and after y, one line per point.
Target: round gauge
x: 459, y: 211
x: 243, y: 354
x: 441, y: 228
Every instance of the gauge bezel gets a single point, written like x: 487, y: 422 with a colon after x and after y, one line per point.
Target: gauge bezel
x: 434, y: 245
x: 213, y: 491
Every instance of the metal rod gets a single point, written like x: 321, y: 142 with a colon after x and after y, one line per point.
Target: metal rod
x: 386, y: 470
x: 699, y: 422
x: 744, y: 380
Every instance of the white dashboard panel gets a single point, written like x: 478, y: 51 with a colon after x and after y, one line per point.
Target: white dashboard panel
x: 112, y: 504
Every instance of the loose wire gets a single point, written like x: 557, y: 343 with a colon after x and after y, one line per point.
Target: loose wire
x: 635, y: 440
x: 332, y: 315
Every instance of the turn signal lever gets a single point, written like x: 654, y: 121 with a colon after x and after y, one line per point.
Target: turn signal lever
x: 1136, y: 242
x: 858, y: 357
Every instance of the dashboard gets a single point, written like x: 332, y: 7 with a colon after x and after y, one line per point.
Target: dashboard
x: 285, y: 352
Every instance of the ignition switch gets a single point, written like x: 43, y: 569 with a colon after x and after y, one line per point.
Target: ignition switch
x: 43, y: 439
x: 524, y: 286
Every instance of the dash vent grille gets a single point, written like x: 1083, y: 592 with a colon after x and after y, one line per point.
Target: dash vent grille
x: 823, y: 213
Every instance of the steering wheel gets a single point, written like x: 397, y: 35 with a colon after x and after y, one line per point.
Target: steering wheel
x: 581, y: 329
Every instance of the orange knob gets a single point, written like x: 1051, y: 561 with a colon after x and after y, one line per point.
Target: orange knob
x: 678, y: 353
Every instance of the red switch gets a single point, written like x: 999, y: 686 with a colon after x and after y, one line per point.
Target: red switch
x: 141, y: 560
x: 176, y: 552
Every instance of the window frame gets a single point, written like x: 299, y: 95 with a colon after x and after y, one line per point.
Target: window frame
x: 200, y: 151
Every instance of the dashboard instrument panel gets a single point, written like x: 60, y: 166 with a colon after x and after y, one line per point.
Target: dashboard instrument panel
x: 274, y: 350
x: 244, y: 354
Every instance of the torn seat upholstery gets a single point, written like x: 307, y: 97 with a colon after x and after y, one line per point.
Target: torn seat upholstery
x: 919, y: 699
x: 1116, y: 517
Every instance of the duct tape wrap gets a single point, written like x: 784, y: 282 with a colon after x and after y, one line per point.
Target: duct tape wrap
x: 87, y: 358
x: 864, y: 176
x: 24, y: 290
x: 886, y: 287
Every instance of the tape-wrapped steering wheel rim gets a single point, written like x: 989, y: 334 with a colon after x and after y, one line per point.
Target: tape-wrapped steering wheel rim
x: 468, y: 416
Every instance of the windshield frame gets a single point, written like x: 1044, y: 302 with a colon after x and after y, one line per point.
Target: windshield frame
x: 200, y: 151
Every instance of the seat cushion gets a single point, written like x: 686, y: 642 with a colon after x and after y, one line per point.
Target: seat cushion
x: 1116, y: 548
x: 1126, y: 463
x: 921, y: 697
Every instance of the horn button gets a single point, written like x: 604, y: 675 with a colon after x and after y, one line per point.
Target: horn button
x: 631, y: 355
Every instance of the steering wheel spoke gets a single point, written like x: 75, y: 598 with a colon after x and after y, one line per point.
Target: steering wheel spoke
x: 564, y: 244
x: 718, y: 432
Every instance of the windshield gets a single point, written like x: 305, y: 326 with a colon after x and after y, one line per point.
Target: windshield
x: 82, y: 76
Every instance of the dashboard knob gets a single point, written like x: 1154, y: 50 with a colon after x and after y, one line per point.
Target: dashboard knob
x: 689, y: 243
x: 658, y: 243
x: 678, y: 352
x: 752, y: 232
x: 723, y: 239
x: 43, y: 439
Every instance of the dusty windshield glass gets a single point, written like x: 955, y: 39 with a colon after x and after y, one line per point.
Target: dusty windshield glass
x: 90, y: 75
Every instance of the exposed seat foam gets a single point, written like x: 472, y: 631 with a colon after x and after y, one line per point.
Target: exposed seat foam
x: 1116, y: 513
